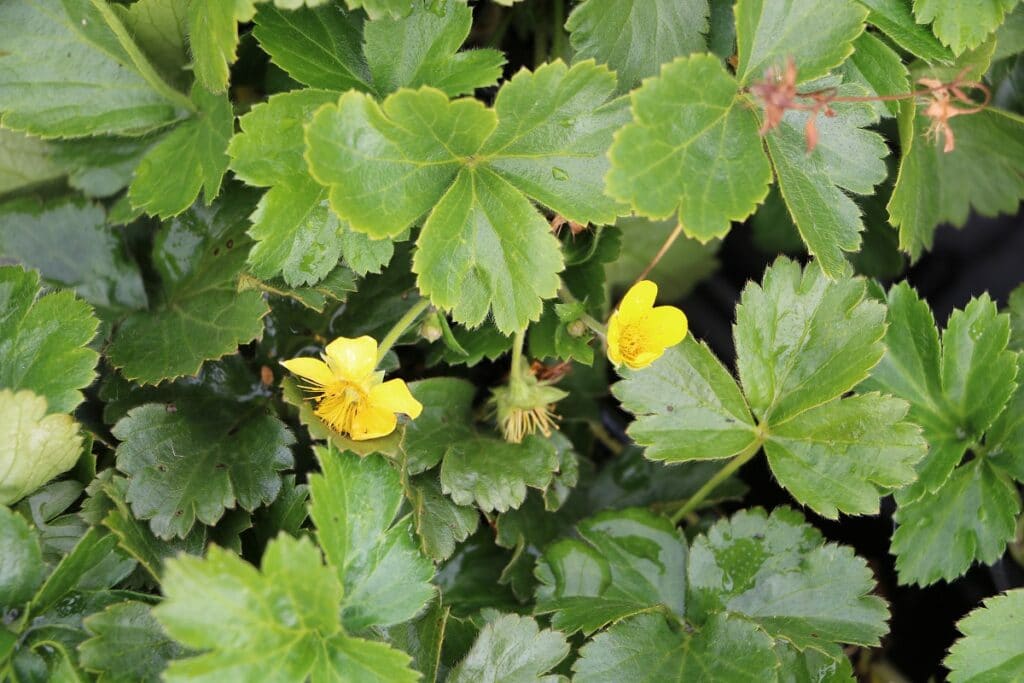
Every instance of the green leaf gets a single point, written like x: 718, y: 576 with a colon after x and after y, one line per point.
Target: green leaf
x: 25, y: 162
x: 990, y: 647
x: 1015, y: 305
x: 447, y: 417
x: 984, y: 173
x: 817, y: 35
x: 195, y: 462
x: 646, y: 649
x: 778, y: 572
x: 977, y: 370
x: 101, y: 166
x: 1004, y: 440
x: 846, y: 454
x: 955, y: 390
x: 43, y: 342
x: 802, y: 340
x: 688, y: 406
x: 93, y: 564
x: 691, y: 148
x: 969, y: 518
x: 687, y: 263
x: 45, y: 89
x: 189, y: 158
x: 21, y: 560
x: 631, y: 480
x: 471, y: 171
x: 422, y: 49
x: 107, y: 504
x: 961, y: 27
x: 295, y: 231
x: 160, y: 27
x: 41, y: 235
x: 354, y: 502
x: 847, y: 157
x: 198, y: 314
x: 375, y: 9
x: 635, y: 37
x: 627, y: 563
x: 423, y: 638
x: 127, y: 645
x: 320, y: 47
x: 512, y: 648
x: 880, y: 69
x: 333, y: 289
x: 440, y: 524
x: 380, y: 56
x: 494, y: 474
x: 280, y: 623
x: 894, y: 19
x: 213, y: 40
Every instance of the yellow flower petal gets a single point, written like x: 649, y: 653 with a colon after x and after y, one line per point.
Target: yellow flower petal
x: 394, y: 396
x: 638, y: 301
x: 643, y: 359
x: 664, y: 326
x: 372, y: 422
x: 352, y: 359
x: 316, y: 371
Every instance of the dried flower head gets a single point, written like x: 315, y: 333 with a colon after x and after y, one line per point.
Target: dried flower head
x: 526, y: 407
x: 948, y: 100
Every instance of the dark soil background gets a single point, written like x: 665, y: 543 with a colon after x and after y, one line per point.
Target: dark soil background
x: 986, y: 255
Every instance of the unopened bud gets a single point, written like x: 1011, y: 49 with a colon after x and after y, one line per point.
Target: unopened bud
x: 430, y: 330
x: 577, y: 328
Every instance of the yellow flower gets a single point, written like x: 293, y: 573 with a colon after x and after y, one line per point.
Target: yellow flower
x: 349, y: 392
x: 639, y: 332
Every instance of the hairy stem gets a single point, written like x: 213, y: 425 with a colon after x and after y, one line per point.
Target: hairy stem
x: 666, y: 245
x: 139, y: 60
x: 704, y: 491
x: 400, y: 327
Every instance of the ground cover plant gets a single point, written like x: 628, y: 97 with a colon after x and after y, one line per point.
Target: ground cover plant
x: 358, y: 340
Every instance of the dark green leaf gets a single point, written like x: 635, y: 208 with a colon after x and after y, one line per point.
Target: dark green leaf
x: 354, y: 503
x: 626, y: 563
x: 21, y: 560
x: 44, y: 236
x: 777, y: 572
x: 512, y: 648
x: 646, y: 649
x: 635, y: 37
x: 196, y: 461
x: 127, y: 645
x: 199, y: 314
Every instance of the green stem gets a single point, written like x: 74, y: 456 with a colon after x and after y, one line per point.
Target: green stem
x: 400, y: 327
x: 730, y: 468
x: 139, y: 60
x: 559, y: 46
x: 516, y: 370
x: 590, y: 321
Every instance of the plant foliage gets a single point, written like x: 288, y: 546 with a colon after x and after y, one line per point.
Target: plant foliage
x: 193, y: 191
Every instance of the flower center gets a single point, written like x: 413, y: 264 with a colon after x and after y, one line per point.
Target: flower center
x: 631, y: 342
x: 339, y: 404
